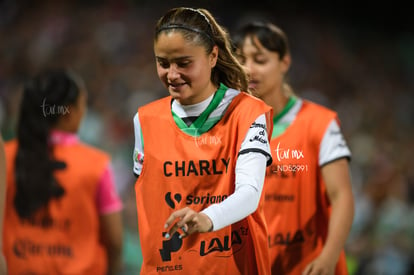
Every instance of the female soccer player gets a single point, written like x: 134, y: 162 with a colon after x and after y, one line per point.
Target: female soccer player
x: 308, y: 198
x: 63, y: 215
x: 201, y: 155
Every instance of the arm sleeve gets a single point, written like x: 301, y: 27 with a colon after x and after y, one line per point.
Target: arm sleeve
x: 250, y: 175
x: 108, y: 198
x: 138, y: 156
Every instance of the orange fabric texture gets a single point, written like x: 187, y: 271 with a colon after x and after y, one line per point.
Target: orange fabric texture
x: 297, y: 208
x: 180, y: 170
x: 69, y: 242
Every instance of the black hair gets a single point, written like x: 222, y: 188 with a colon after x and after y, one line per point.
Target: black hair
x: 269, y: 35
x: 35, y: 183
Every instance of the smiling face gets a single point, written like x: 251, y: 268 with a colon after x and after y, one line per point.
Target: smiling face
x: 184, y: 67
x: 265, y: 68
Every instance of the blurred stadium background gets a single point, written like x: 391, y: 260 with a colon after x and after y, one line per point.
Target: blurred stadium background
x: 354, y: 57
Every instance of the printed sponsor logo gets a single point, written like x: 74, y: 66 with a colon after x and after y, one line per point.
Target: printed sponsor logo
x: 225, y: 244
x: 174, y: 243
x: 218, y: 245
x: 169, y: 268
x: 169, y: 200
x: 48, y: 223
x: 279, y: 197
x: 24, y: 248
x: 214, y: 245
x: 205, y: 199
x: 171, y: 245
x: 286, y: 239
x: 193, y: 199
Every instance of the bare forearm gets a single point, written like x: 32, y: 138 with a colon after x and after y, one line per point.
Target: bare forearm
x: 339, y: 224
x: 112, y: 239
x: 114, y: 263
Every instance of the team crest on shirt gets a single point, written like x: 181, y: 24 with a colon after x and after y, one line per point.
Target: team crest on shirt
x: 138, y: 157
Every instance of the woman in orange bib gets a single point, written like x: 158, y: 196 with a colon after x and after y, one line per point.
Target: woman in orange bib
x: 62, y: 215
x: 200, y: 156
x: 308, y: 198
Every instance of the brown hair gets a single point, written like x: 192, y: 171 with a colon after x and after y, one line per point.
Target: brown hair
x: 199, y: 26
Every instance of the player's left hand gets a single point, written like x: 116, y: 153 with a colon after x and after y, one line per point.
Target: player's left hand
x: 320, y: 266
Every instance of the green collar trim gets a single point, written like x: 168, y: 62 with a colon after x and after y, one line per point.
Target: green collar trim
x: 292, y: 100
x: 279, y: 128
x: 198, y: 126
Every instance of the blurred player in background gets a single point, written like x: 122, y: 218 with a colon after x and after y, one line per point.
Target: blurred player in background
x: 309, y: 204
x: 63, y: 214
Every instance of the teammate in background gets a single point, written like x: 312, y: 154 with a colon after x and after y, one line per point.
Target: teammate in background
x: 201, y: 155
x: 309, y: 204
x: 3, y: 266
x: 63, y: 215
